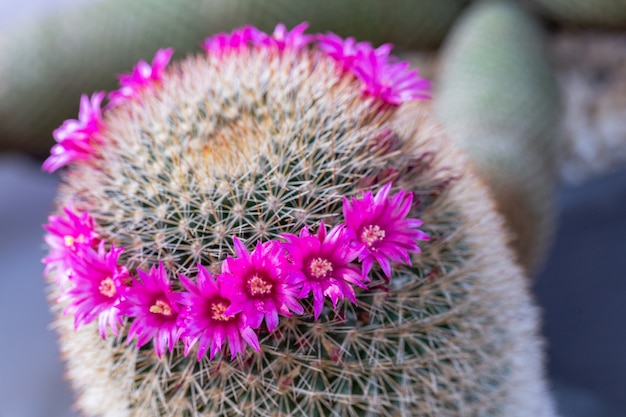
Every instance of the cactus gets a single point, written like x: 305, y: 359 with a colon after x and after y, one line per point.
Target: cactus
x: 196, y: 166
x: 499, y: 99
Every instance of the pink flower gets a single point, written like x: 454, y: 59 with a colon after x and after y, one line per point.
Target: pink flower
x: 391, y: 81
x: 155, y: 309
x: 205, y: 319
x: 259, y: 284
x: 75, y: 138
x: 343, y: 51
x: 283, y: 39
x: 221, y: 43
x: 67, y: 235
x: 381, y: 75
x: 143, y: 75
x: 383, y: 231
x: 98, y: 286
x: 323, y: 263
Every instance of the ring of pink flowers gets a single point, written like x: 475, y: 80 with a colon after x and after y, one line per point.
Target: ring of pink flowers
x: 78, y: 255
x: 252, y: 287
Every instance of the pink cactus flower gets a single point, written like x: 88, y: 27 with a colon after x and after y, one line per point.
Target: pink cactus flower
x: 154, y: 308
x: 323, y: 263
x: 142, y: 76
x: 344, y: 51
x: 381, y: 227
x: 387, y: 79
x: 99, y: 284
x: 205, y: 321
x: 67, y: 235
x: 221, y: 43
x: 259, y: 284
x: 381, y: 75
x: 75, y: 138
x: 282, y: 39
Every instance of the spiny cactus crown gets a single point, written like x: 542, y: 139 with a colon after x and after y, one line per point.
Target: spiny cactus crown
x: 195, y: 208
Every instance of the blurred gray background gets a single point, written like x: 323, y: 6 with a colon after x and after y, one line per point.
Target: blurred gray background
x: 581, y: 288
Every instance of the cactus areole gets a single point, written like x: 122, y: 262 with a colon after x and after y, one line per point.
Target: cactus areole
x: 256, y: 230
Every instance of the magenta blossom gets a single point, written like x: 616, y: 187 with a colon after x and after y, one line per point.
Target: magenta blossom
x: 143, y: 75
x: 205, y: 320
x: 381, y: 227
x: 259, y: 284
x: 323, y: 263
x: 75, y: 138
x: 154, y: 308
x: 381, y: 75
x: 99, y: 284
x: 67, y: 235
x: 344, y: 51
x: 387, y: 79
x: 238, y: 39
x: 283, y: 39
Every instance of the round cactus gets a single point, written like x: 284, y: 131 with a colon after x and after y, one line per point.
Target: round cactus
x: 271, y: 229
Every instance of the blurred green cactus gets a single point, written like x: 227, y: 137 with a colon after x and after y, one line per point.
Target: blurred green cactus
x: 498, y: 96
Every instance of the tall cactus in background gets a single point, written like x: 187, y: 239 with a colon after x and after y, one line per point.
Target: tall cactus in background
x: 238, y: 234
x: 499, y: 99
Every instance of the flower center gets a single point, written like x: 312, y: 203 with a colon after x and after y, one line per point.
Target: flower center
x: 218, y: 311
x: 258, y: 286
x: 71, y: 241
x: 161, y: 307
x: 372, y: 234
x: 320, y: 267
x: 107, y: 287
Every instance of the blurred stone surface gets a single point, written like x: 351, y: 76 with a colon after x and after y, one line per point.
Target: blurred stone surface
x: 31, y: 380
x: 591, y: 68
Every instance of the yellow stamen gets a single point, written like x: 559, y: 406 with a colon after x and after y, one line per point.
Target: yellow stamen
x: 371, y: 234
x: 107, y: 287
x: 70, y: 241
x: 259, y: 286
x: 218, y: 310
x: 320, y: 267
x: 161, y: 307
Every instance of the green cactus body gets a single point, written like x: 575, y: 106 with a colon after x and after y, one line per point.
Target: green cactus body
x: 255, y: 145
x: 499, y: 99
